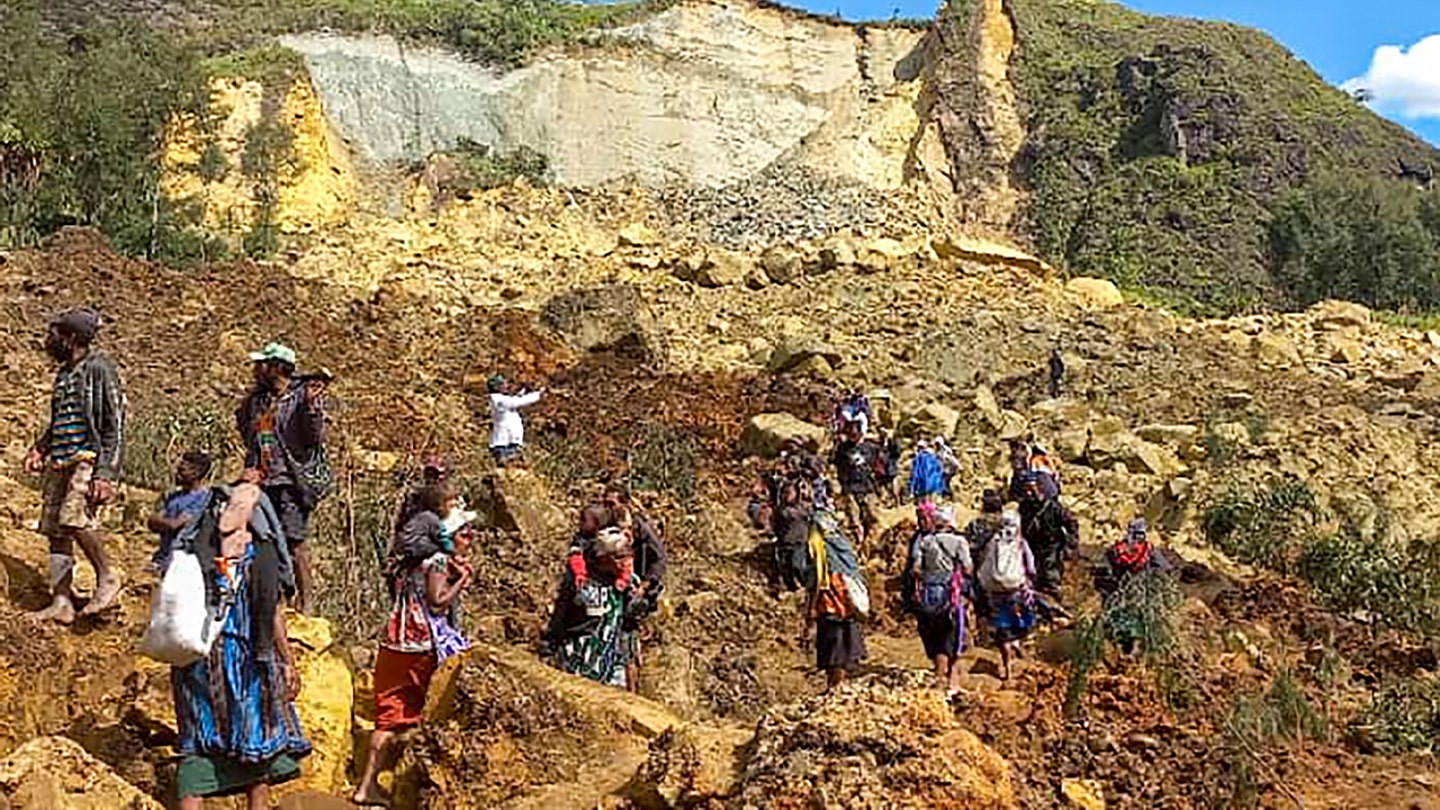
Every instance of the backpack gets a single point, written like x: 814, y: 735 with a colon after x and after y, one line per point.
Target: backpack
x: 927, y: 477
x: 1004, y: 566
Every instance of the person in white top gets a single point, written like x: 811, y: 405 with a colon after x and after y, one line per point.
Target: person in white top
x: 507, y: 428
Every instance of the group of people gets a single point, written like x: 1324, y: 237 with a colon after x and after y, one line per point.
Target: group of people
x: 238, y: 730
x: 1003, y: 571
x: 613, y: 578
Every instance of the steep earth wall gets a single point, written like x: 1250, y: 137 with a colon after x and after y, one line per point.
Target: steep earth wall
x: 705, y: 93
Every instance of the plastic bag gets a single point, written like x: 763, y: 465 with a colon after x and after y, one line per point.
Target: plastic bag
x: 182, y: 625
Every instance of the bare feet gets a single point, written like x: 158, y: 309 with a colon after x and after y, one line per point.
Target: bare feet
x: 107, y: 593
x: 59, y: 611
x: 371, y: 796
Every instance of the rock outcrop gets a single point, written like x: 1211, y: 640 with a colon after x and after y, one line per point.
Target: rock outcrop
x: 56, y: 773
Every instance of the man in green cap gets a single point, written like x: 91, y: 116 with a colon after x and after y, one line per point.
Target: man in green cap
x: 282, y: 424
x: 78, y: 457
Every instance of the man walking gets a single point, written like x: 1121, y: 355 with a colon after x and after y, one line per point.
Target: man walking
x: 78, y: 457
x: 282, y: 424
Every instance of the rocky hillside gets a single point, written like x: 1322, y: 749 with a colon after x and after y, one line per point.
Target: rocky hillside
x: 779, y: 207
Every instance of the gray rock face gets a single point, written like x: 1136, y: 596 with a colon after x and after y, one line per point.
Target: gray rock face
x: 703, y: 94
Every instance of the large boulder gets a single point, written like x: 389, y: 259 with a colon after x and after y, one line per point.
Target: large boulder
x: 931, y: 419
x: 766, y: 433
x: 613, y: 317
x: 795, y: 350
x: 1094, y: 293
x: 1340, y: 315
x: 55, y: 773
x: 326, y: 705
x: 881, y: 742
x: 1274, y: 349
x: 782, y: 264
x: 689, y: 766
x: 724, y: 268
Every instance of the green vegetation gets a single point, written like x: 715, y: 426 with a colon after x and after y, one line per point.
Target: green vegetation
x: 1404, y: 716
x: 480, y: 167
x: 1141, y: 617
x: 157, y: 437
x: 1360, y: 239
x: 1157, y: 148
x: 498, y: 32
x: 1266, y: 525
x: 81, y: 124
x: 1259, y: 723
x: 1353, y: 569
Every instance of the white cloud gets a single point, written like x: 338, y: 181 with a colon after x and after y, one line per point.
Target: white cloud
x: 1406, y: 81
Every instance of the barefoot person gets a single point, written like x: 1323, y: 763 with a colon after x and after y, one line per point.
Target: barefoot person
x: 78, y: 457
x: 426, y: 578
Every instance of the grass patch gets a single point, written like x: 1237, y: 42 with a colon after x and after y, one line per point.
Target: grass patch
x: 496, y: 32
x: 1264, y: 525
x: 1141, y: 618
x: 1403, y: 717
x: 156, y: 438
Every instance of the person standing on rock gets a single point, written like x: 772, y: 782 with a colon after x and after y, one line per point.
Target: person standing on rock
x: 237, y: 728
x: 854, y: 461
x: 78, y: 457
x: 282, y: 425
x: 507, y: 427
x: 427, y: 577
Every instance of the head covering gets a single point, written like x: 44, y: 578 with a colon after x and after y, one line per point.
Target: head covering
x: 1137, y: 531
x: 436, y: 462
x: 495, y: 382
x: 925, y: 508
x: 1009, y: 526
x: 1026, y: 478
x: 612, y: 542
x: 274, y: 353
x: 457, y: 520
x: 82, y: 322
x: 945, y: 515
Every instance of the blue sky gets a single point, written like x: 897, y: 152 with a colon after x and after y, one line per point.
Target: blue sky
x: 1339, y: 38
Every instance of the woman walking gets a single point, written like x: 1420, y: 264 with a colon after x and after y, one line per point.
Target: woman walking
x: 238, y: 730
x: 1007, y: 575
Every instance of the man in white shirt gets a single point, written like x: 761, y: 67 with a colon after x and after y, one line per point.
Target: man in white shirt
x: 507, y: 428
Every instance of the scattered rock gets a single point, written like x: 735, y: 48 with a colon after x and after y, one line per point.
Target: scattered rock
x: 1083, y: 794
x: 838, y: 251
x: 689, y: 766
x: 1172, y: 435
x: 879, y: 255
x: 796, y: 758
x: 55, y: 773
x: 781, y: 264
x: 1275, y: 350
x: 724, y: 268
x: 767, y: 433
x: 638, y: 234
x: 611, y: 317
x: 796, y: 349
x: 932, y: 419
x: 1344, y: 350
x: 1095, y: 293
x: 1340, y: 315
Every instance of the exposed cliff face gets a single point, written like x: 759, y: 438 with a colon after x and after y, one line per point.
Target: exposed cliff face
x: 702, y: 94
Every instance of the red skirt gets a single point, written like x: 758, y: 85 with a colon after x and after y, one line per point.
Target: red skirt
x: 401, y: 680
